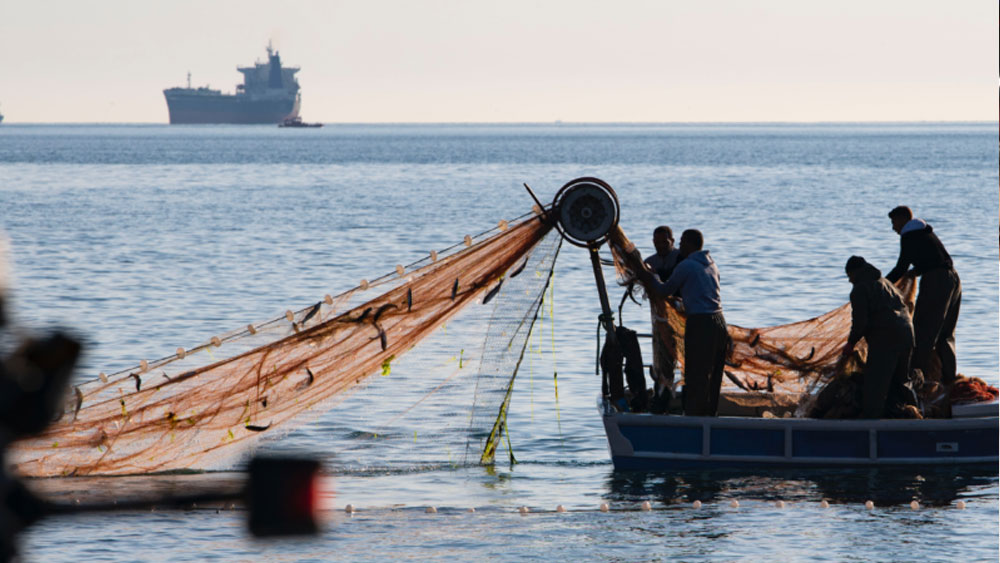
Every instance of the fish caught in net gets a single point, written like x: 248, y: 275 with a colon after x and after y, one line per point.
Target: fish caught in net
x: 202, y: 407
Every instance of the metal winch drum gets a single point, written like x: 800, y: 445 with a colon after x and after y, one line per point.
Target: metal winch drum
x: 586, y: 210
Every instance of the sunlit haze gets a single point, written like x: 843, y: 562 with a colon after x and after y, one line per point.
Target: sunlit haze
x: 513, y: 61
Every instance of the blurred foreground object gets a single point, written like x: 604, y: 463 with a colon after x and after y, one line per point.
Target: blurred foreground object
x: 282, y: 496
x: 32, y: 382
x: 34, y: 378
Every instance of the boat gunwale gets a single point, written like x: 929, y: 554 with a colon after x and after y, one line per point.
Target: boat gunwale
x: 926, y: 424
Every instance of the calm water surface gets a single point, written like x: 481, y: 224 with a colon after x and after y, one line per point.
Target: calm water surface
x: 145, y: 238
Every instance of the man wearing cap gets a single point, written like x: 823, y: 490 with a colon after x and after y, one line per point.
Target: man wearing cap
x: 879, y: 315
x: 940, y: 295
x: 706, y: 338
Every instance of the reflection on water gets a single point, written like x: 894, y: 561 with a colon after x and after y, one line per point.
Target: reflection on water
x: 883, y: 486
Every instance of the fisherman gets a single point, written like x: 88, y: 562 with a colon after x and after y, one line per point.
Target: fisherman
x: 662, y: 263
x: 879, y: 315
x: 706, y: 339
x: 940, y: 296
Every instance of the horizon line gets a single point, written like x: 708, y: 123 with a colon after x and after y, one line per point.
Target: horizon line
x: 552, y: 122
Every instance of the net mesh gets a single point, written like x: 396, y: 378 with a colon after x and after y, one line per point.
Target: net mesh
x: 792, y: 360
x: 504, y: 346
x: 199, y: 408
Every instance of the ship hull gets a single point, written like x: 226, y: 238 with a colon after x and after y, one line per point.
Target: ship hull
x: 185, y: 108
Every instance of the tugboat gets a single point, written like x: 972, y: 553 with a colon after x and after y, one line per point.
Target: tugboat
x: 297, y: 122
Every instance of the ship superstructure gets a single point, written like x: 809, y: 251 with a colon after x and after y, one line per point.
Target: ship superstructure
x: 269, y: 94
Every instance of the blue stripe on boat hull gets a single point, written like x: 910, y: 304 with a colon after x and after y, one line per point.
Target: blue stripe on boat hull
x: 679, y: 440
x: 747, y: 441
x: 627, y: 463
x: 830, y: 443
x: 643, y: 441
x: 948, y: 444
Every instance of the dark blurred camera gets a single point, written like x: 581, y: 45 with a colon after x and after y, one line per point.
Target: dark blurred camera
x: 280, y: 493
x: 33, y: 380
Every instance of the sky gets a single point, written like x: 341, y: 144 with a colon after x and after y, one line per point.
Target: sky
x: 378, y: 61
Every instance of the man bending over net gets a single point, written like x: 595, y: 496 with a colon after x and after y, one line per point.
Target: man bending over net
x: 879, y: 315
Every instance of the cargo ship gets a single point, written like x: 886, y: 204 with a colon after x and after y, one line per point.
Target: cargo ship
x: 269, y: 94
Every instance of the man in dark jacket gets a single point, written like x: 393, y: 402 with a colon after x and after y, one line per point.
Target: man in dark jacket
x: 879, y: 315
x: 706, y: 338
x: 940, y: 295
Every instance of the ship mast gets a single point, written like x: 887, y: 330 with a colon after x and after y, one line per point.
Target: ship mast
x: 189, y: 80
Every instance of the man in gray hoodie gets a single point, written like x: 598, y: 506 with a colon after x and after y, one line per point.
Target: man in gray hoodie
x: 879, y: 315
x: 706, y: 337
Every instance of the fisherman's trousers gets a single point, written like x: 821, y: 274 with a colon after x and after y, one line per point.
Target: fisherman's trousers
x: 706, y: 342
x: 887, y: 369
x: 934, y: 320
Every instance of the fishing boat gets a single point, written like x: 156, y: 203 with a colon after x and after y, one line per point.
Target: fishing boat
x: 297, y: 122
x: 650, y: 442
x: 586, y: 214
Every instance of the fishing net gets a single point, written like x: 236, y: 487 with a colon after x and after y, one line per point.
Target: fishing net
x: 201, y: 407
x: 766, y: 365
x: 506, y: 343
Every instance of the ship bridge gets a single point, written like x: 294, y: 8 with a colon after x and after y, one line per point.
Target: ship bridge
x: 269, y: 78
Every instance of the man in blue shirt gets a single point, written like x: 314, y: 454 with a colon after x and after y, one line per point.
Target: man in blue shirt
x: 706, y: 338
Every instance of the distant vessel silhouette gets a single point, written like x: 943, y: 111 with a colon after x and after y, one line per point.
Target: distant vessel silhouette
x: 269, y: 94
x: 297, y: 122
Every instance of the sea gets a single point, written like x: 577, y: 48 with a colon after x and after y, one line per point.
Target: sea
x: 138, y: 239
